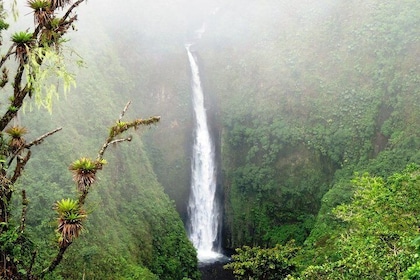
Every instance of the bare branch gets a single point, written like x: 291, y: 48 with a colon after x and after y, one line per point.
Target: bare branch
x: 37, y: 141
x: 120, y: 140
x: 40, y: 139
x: 18, y: 97
x: 117, y: 129
x: 6, y: 56
x: 124, y: 110
x: 106, y: 144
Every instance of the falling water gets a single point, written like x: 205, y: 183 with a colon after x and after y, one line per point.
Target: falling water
x: 202, y: 206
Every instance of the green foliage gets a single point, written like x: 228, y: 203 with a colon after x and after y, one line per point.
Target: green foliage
x: 296, y: 121
x: 16, y: 131
x: 39, y: 75
x: 173, y: 256
x: 274, y: 182
x: 66, y: 206
x: 381, y: 225
x: 83, y: 164
x: 413, y: 272
x: 137, y: 272
x: 257, y: 263
x: 3, y: 25
x: 39, y: 4
x: 118, y: 214
x: 22, y: 37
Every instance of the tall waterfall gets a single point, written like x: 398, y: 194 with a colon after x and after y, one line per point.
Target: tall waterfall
x: 202, y: 206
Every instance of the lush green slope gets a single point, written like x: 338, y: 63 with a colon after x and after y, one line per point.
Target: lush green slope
x: 301, y: 96
x: 309, y: 92
x: 133, y: 230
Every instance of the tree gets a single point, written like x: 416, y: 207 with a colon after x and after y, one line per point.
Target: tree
x: 38, y: 55
x: 255, y: 263
x: 382, y: 222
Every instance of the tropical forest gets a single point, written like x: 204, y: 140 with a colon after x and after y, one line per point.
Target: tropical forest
x: 209, y: 139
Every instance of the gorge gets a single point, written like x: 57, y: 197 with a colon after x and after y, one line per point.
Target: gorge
x: 301, y: 100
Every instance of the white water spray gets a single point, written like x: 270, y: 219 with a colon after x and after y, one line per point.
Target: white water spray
x: 202, y: 207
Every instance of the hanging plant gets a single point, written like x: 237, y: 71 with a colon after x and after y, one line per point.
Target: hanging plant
x: 70, y: 218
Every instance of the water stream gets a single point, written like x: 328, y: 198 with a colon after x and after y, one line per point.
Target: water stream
x: 203, y: 208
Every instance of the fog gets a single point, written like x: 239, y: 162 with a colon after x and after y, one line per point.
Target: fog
x: 174, y: 22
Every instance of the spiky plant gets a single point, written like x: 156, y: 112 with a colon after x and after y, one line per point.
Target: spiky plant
x: 42, y: 11
x: 22, y: 37
x: 3, y: 25
x: 23, y: 41
x: 16, y: 136
x: 84, y: 172
x: 70, y: 220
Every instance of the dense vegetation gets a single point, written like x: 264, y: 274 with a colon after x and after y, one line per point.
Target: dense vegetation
x: 126, y: 228
x: 313, y: 103
x: 333, y: 93
x: 328, y: 92
x: 301, y: 95
x: 377, y: 237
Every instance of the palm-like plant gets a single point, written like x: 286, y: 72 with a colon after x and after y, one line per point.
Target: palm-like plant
x: 16, y: 136
x: 84, y: 172
x: 70, y: 218
x: 23, y: 41
x: 42, y: 11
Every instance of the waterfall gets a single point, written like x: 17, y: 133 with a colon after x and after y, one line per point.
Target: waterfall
x: 202, y: 206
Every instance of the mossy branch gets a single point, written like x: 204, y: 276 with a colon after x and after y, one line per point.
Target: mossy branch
x: 120, y: 127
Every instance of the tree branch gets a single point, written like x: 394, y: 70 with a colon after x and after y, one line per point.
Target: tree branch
x: 121, y: 127
x: 35, y: 142
x: 123, y: 111
x: 6, y: 56
x: 18, y: 97
x: 41, y: 138
x: 67, y: 14
x: 56, y: 260
x: 29, y: 271
x: 23, y: 215
x: 20, y: 165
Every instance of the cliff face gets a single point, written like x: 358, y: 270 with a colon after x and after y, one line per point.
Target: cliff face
x: 305, y: 96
